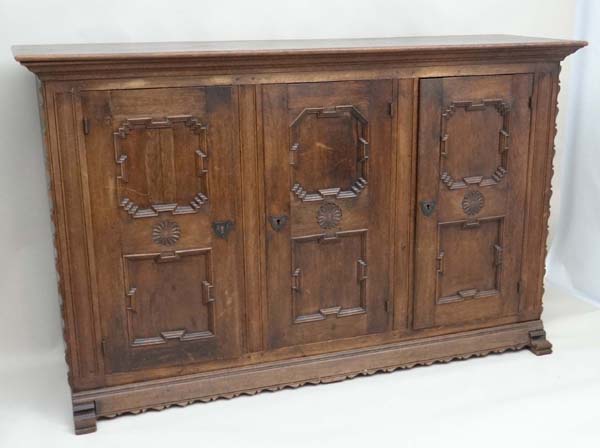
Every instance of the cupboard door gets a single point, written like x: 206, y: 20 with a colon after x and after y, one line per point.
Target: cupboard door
x: 162, y: 169
x: 328, y: 188
x: 473, y: 146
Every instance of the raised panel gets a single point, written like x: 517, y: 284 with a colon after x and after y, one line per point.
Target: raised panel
x: 329, y: 152
x: 169, y: 297
x: 484, y: 128
x: 329, y: 276
x: 162, y: 165
x: 469, y: 260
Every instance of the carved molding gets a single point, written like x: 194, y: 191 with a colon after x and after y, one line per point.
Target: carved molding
x: 123, y: 174
x: 470, y: 293
x: 322, y: 380
x: 361, y: 277
x: 362, y: 157
x: 309, y: 369
x: 178, y: 334
x: 503, y: 108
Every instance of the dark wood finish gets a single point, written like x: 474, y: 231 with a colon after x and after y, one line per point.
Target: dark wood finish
x: 172, y: 285
x: 246, y: 216
x: 328, y: 265
x: 469, y: 246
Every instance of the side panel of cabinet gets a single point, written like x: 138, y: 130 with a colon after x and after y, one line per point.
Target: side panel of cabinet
x: 473, y: 152
x: 163, y: 166
x: 74, y: 245
x: 328, y: 191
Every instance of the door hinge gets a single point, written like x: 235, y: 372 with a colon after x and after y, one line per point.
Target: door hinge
x: 86, y: 126
x: 530, y: 103
x: 388, y: 306
x: 103, y: 346
x: 519, y: 287
x: 391, y: 109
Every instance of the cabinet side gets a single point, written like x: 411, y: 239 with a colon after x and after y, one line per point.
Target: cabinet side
x: 540, y: 171
x: 59, y: 117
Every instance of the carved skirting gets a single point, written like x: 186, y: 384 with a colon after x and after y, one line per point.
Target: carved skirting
x: 317, y: 369
x: 316, y: 381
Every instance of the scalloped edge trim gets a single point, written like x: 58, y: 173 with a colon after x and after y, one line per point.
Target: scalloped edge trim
x: 315, y: 381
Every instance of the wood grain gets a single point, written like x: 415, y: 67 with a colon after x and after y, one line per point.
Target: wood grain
x: 247, y: 216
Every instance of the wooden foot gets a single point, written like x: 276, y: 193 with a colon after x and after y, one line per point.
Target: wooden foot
x: 538, y: 343
x: 84, y: 415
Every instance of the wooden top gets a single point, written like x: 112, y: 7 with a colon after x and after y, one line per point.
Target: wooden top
x: 97, y: 52
x: 87, y: 61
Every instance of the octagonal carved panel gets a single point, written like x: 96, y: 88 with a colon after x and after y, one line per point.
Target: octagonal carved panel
x: 483, y: 130
x: 162, y: 165
x: 329, y: 153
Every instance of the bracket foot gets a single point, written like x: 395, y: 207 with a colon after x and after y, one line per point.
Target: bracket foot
x: 538, y: 344
x: 84, y: 416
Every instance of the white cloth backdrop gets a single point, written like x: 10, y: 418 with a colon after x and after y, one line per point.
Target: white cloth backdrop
x: 574, y: 261
x: 29, y: 321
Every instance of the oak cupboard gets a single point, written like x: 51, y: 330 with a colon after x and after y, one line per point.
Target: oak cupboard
x: 244, y: 216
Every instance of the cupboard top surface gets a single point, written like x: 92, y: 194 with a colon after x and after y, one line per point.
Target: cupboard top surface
x: 415, y: 44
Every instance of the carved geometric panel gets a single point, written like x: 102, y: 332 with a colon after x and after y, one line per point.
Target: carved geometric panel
x: 329, y: 153
x: 474, y: 143
x: 469, y: 261
x: 329, y: 276
x: 162, y: 165
x: 169, y: 297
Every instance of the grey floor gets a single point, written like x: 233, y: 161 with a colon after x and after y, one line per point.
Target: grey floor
x: 514, y: 399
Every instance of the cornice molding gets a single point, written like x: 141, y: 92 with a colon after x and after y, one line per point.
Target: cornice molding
x: 123, y: 60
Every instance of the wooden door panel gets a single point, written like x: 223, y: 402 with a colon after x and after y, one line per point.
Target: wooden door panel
x: 473, y: 144
x: 469, y: 260
x: 315, y: 293
x: 328, y: 189
x: 164, y: 165
x: 157, y: 315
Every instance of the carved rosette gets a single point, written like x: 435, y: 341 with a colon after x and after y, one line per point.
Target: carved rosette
x: 166, y: 233
x: 329, y: 215
x: 473, y: 202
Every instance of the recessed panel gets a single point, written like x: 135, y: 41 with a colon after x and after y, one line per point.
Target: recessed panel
x: 329, y: 276
x: 168, y: 297
x: 162, y: 165
x: 475, y: 141
x: 469, y: 260
x: 329, y: 152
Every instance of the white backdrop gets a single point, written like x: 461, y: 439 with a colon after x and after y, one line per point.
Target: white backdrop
x: 574, y: 261
x: 539, y: 401
x: 29, y: 321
